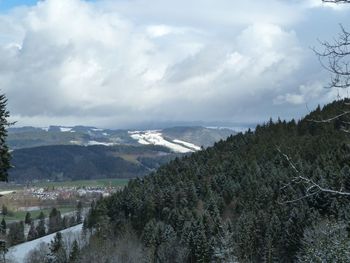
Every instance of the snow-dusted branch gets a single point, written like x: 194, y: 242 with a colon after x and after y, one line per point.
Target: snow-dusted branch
x: 312, y: 188
x: 336, y: 1
x: 330, y: 119
x: 335, y: 57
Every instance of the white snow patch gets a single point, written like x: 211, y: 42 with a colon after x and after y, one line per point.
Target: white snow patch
x: 96, y: 129
x: 100, y: 143
x: 6, y: 192
x: 75, y: 142
x: 66, y: 129
x: 188, y: 145
x: 139, y: 139
x: 19, y: 252
x: 105, y: 134
x: 45, y: 129
x: 155, y: 138
x: 134, y: 132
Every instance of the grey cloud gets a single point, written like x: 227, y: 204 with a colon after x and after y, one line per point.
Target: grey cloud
x: 118, y: 63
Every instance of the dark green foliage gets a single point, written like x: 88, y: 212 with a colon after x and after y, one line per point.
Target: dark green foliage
x: 65, y: 222
x: 3, y: 226
x: 240, y: 185
x: 41, y: 229
x: 4, y: 210
x: 73, y: 162
x: 4, y: 150
x: 57, y: 250
x: 79, y: 212
x: 3, y: 250
x: 74, y: 254
x: 33, y: 233
x: 28, y: 219
x: 72, y: 221
x: 85, y: 224
x: 16, y: 233
x: 325, y: 241
x: 55, y: 221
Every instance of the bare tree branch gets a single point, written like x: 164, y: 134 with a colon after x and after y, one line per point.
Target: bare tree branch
x: 330, y: 119
x: 336, y: 1
x: 312, y: 188
x: 335, y: 57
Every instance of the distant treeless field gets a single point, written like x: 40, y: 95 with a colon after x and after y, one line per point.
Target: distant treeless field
x: 20, y: 215
x: 86, y: 183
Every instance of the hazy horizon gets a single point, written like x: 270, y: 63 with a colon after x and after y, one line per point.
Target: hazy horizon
x: 126, y: 63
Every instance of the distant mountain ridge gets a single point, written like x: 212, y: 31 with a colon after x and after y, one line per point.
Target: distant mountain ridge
x: 72, y: 153
x: 178, y: 139
x: 75, y: 162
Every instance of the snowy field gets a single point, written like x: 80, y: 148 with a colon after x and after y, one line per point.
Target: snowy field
x: 100, y: 143
x: 18, y: 253
x: 188, y: 145
x: 156, y: 138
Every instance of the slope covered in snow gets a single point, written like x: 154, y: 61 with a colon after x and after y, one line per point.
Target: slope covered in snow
x: 155, y: 137
x: 188, y: 145
x: 178, y: 139
x: 18, y: 253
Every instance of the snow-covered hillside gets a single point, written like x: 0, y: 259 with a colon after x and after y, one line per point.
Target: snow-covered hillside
x: 178, y: 139
x: 155, y: 137
x: 18, y: 253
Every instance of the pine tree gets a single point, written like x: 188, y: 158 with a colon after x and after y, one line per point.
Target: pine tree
x: 57, y: 250
x: 65, y: 222
x: 79, y: 212
x: 93, y: 216
x: 72, y: 221
x: 74, y: 254
x: 33, y: 233
x: 85, y: 226
x: 4, y: 150
x: 3, y: 250
x: 3, y: 226
x: 41, y: 229
x: 345, y: 172
x: 55, y: 220
x: 28, y: 219
x: 16, y: 233
x: 4, y: 210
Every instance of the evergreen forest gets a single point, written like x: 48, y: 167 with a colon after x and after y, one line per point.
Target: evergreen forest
x: 280, y: 193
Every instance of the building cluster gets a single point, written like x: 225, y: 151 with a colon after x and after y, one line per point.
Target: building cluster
x: 67, y: 193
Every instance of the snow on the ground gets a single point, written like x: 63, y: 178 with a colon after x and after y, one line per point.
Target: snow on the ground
x: 6, y: 192
x: 45, y: 128
x: 139, y: 138
x: 75, y: 142
x: 100, y: 143
x: 188, y: 145
x: 155, y: 137
x: 19, y: 252
x: 66, y: 129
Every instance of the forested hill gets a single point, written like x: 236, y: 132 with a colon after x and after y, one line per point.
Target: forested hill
x: 239, y: 200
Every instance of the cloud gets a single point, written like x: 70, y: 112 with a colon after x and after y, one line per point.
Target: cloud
x: 117, y: 63
x: 309, y: 92
x: 321, y: 4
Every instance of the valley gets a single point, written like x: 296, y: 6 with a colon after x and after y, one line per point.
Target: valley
x: 84, y: 153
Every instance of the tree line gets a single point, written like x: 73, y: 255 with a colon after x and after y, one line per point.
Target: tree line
x: 14, y: 233
x: 239, y: 200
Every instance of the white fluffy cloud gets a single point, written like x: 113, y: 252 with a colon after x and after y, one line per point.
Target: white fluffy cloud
x: 119, y: 63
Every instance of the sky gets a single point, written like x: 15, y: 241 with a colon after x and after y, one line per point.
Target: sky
x: 130, y: 63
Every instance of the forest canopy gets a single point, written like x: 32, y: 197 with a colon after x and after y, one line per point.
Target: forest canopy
x: 238, y: 201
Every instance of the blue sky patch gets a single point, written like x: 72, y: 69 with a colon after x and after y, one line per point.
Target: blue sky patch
x: 8, y: 4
